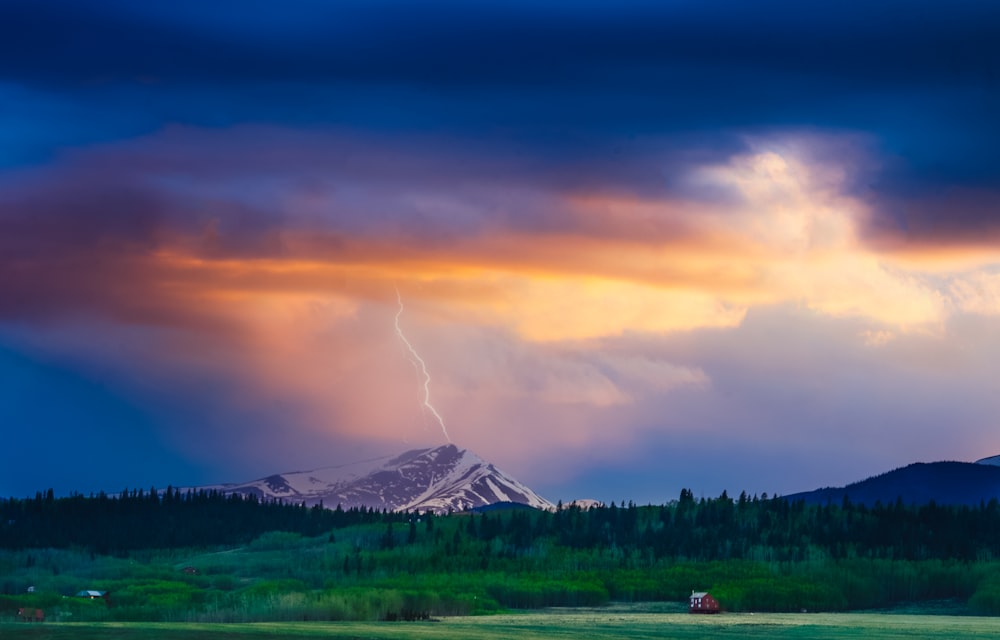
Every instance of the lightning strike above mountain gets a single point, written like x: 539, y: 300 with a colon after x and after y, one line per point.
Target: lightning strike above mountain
x: 423, y: 369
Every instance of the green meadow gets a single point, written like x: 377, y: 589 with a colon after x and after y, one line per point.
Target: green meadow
x: 589, y: 624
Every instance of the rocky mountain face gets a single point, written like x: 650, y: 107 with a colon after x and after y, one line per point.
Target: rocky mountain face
x: 439, y: 479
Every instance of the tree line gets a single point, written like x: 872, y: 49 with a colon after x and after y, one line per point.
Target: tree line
x: 754, y: 553
x: 138, y: 519
x: 751, y: 528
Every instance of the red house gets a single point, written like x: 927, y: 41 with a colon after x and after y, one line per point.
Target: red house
x: 703, y: 602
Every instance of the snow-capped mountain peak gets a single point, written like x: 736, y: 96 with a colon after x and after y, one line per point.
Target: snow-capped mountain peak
x: 440, y: 479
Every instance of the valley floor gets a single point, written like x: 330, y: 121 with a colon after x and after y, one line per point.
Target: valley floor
x: 590, y: 624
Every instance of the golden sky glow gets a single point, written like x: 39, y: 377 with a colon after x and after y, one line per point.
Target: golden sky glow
x: 786, y: 235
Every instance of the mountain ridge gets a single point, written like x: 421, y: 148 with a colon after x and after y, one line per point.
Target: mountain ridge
x: 945, y: 482
x: 440, y: 479
x: 992, y: 460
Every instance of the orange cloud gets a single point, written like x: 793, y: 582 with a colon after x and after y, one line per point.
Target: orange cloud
x: 789, y: 233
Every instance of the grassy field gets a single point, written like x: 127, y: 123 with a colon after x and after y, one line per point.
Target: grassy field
x: 593, y: 624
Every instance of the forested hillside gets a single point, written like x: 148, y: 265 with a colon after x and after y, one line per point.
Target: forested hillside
x: 754, y: 553
x: 957, y: 483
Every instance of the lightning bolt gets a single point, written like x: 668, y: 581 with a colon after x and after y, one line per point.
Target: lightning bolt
x: 423, y: 368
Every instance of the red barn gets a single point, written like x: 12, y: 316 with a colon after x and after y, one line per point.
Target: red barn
x: 703, y: 602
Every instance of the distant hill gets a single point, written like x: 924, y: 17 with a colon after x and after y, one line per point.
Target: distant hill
x: 954, y: 483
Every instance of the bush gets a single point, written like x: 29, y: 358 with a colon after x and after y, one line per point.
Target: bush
x: 986, y: 599
x: 276, y: 541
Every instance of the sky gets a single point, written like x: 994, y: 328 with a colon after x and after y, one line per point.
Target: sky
x: 638, y: 246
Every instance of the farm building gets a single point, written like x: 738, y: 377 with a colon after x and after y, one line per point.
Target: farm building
x: 91, y: 594
x: 703, y: 602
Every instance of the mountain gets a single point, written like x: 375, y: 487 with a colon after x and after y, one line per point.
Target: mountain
x: 992, y: 460
x: 957, y: 483
x: 584, y: 504
x: 440, y: 479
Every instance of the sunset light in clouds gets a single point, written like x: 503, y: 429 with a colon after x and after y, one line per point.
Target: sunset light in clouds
x: 640, y: 248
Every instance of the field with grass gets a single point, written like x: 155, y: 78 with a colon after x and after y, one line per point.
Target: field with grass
x: 609, y: 623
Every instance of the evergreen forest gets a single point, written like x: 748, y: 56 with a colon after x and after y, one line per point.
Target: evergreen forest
x: 206, y: 556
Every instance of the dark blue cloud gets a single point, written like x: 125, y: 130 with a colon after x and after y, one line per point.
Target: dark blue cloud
x: 562, y: 79
x: 449, y: 43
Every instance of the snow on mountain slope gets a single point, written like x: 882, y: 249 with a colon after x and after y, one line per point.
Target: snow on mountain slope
x: 992, y: 460
x: 584, y: 504
x: 439, y: 479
